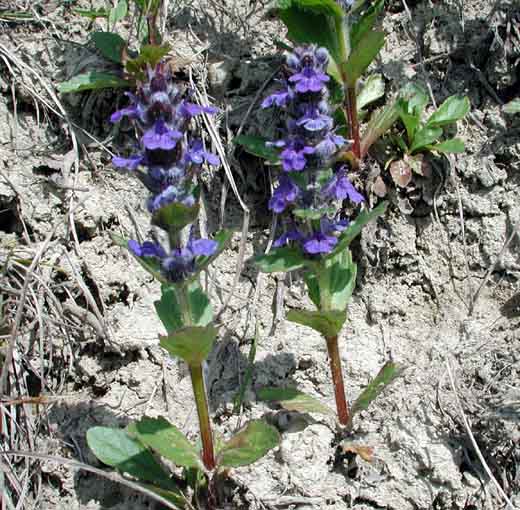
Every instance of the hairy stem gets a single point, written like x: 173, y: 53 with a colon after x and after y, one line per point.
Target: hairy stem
x: 337, y: 380
x: 197, y: 380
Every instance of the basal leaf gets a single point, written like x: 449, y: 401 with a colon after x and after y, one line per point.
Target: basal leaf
x: 451, y: 146
x: 424, y: 137
x: 115, y: 448
x: 401, y: 173
x: 354, y: 229
x: 110, y: 45
x: 373, y: 89
x: 388, y: 373
x: 256, y: 145
x: 281, y: 260
x: 92, y: 80
x: 327, y: 323
x: 190, y: 343
x: 449, y: 112
x: 380, y: 122
x: 248, y: 445
x: 92, y: 13
x: 293, y: 400
x: 166, y: 440
x: 415, y: 98
x: 362, y: 55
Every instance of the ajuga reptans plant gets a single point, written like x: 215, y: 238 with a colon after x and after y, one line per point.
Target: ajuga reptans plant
x: 167, y: 159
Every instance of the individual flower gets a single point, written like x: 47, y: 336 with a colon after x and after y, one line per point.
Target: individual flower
x: 319, y: 243
x: 284, y: 194
x: 340, y: 188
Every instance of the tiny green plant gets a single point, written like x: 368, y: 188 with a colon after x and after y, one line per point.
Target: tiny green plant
x: 318, y: 96
x: 420, y: 136
x: 127, y: 64
x: 167, y: 161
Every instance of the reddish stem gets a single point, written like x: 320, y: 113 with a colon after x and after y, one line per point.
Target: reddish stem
x: 197, y: 380
x: 337, y: 380
x: 353, y: 124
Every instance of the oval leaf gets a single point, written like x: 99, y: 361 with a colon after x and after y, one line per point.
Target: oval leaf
x: 373, y: 89
x: 191, y: 343
x: 115, y: 448
x: 256, y: 145
x: 452, y: 146
x: 363, y: 55
x: 110, y: 45
x: 327, y: 323
x: 248, y: 445
x: 293, y: 400
x: 280, y: 260
x: 165, y: 439
x: 92, y: 81
x: 424, y: 137
x: 449, y: 112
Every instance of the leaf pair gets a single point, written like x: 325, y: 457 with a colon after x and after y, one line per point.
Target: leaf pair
x: 129, y: 450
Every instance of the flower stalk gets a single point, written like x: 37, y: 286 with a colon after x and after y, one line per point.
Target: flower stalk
x: 337, y: 380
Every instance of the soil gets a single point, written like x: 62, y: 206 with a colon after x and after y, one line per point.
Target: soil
x: 89, y: 334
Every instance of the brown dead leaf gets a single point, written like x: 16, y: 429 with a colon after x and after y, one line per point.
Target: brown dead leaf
x: 365, y: 452
x: 379, y: 187
x: 401, y: 173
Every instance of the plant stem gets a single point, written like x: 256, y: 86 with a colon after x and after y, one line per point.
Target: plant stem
x: 197, y: 380
x: 337, y: 380
x: 353, y: 124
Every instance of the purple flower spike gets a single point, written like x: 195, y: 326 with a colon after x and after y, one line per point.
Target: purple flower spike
x: 309, y: 80
x: 319, y: 243
x: 161, y: 137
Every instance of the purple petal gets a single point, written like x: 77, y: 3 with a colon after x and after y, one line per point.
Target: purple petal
x: 206, y: 247
x: 131, y: 163
x: 212, y: 159
x: 320, y: 243
x: 135, y: 247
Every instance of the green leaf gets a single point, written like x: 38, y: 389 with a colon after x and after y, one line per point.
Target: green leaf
x: 173, y: 496
x: 92, y: 81
x: 293, y: 400
x: 91, y: 13
x: 512, y: 107
x: 110, y: 45
x: 449, y: 112
x: 115, y: 448
x: 365, y: 22
x: 327, y: 323
x: 248, y: 445
x: 313, y: 287
x: 169, y: 310
x: 280, y: 260
x: 148, y: 55
x: 380, y: 122
x: 175, y: 216
x: 313, y: 214
x: 424, y: 137
x: 256, y: 145
x: 388, y: 373
x: 373, y: 89
x: 313, y: 22
x: 355, y: 227
x: 363, y: 55
x: 341, y: 280
x: 190, y: 343
x: 166, y: 440
x: 451, y: 146
x: 415, y: 98
x: 118, y: 12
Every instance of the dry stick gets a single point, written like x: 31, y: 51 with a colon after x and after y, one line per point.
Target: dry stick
x: 473, y: 302
x: 474, y: 443
x: 109, y: 475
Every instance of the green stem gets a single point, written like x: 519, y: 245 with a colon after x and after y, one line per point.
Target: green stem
x: 199, y: 391
x: 197, y: 381
x: 337, y: 380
